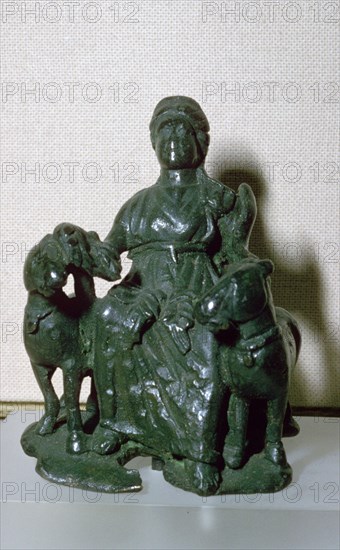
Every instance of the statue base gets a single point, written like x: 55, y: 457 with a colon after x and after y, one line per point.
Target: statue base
x: 107, y: 474
x: 258, y: 475
x: 88, y: 471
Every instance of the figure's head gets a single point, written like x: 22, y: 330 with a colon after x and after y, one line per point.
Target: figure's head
x: 44, y: 269
x: 179, y: 133
x: 239, y: 296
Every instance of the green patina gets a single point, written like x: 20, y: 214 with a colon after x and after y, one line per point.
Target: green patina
x: 188, y: 357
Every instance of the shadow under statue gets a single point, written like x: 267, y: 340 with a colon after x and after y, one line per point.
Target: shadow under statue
x: 189, y: 360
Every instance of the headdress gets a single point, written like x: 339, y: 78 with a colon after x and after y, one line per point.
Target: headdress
x: 177, y: 107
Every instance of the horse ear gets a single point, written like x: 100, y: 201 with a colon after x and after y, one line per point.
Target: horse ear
x: 267, y: 266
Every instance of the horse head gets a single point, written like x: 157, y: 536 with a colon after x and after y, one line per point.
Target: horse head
x: 239, y: 296
x: 45, y: 267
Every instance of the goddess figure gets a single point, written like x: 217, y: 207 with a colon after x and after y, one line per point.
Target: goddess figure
x: 156, y: 368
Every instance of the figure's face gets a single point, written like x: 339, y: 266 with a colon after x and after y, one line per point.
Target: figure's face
x: 177, y: 146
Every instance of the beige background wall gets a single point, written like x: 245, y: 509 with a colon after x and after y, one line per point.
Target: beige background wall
x: 266, y: 75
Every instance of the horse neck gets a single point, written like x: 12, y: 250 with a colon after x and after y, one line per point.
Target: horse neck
x: 264, y: 321
x: 83, y: 287
x: 58, y: 298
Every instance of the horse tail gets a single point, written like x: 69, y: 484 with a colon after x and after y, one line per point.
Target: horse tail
x: 296, y: 334
x: 285, y: 318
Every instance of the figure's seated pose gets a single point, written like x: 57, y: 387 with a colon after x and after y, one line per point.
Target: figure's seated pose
x: 156, y: 368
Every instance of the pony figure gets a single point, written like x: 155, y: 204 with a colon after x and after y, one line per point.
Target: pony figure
x: 258, y: 359
x: 62, y: 331
x: 53, y: 336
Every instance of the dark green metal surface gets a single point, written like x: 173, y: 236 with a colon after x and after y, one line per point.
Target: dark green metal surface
x: 189, y: 360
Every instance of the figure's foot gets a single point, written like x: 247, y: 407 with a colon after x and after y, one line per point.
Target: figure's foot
x: 46, y: 424
x: 276, y: 453
x: 198, y: 477
x: 105, y: 441
x: 206, y: 478
x: 234, y: 451
x: 77, y: 442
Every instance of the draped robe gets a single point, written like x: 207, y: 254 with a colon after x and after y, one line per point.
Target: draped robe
x: 168, y: 388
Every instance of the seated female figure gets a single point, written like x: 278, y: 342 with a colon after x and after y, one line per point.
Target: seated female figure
x: 156, y: 367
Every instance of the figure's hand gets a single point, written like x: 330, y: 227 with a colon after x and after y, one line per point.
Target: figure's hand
x: 178, y: 316
x: 74, y: 243
x: 106, y: 262
x: 148, y: 306
x: 68, y: 233
x: 65, y: 231
x: 144, y: 310
x: 86, y: 250
x: 179, y: 311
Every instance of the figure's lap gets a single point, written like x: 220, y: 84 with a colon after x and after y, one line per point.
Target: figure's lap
x: 157, y: 385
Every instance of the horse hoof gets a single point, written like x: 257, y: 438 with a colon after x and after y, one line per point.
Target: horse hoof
x: 276, y: 454
x: 234, y: 451
x: 105, y: 441
x: 46, y: 425
x: 76, y: 443
x: 233, y: 457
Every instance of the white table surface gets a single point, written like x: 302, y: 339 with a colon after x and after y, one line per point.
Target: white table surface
x: 37, y: 514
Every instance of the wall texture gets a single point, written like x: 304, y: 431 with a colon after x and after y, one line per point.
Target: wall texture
x: 80, y: 81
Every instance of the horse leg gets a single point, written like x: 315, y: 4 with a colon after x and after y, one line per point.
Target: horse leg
x: 234, y: 448
x: 76, y: 439
x: 274, y: 450
x: 92, y: 410
x: 62, y: 411
x: 92, y: 400
x: 43, y: 375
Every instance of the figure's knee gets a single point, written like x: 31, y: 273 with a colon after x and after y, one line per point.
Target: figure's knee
x: 107, y: 323
x: 117, y: 329
x: 110, y: 315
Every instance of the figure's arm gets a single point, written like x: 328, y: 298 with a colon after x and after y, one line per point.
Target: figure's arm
x: 84, y: 249
x: 107, y: 253
x: 235, y: 226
